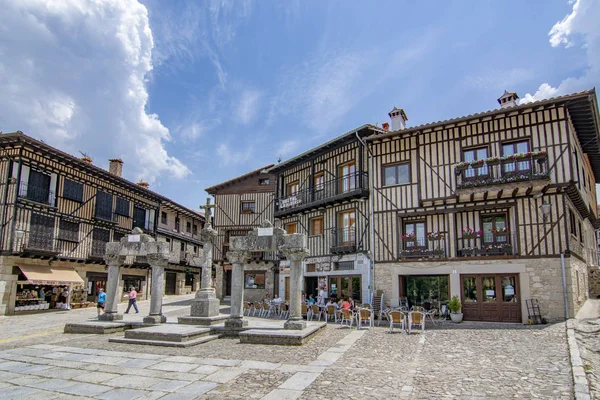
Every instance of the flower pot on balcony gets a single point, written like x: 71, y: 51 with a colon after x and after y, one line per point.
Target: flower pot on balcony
x: 461, y: 167
x: 469, y: 236
x: 495, y: 161
x: 500, y: 234
x: 409, y: 240
x: 477, y: 164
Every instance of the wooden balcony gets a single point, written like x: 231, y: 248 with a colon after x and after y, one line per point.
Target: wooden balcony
x: 36, y: 193
x: 423, y: 248
x: 350, y: 186
x: 503, y: 174
x: 41, y: 244
x: 343, y: 240
x: 488, y: 244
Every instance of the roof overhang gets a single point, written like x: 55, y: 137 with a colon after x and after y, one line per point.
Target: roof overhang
x: 38, y: 275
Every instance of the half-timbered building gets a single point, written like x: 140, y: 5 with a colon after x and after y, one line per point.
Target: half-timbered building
x: 57, y: 214
x: 496, y: 208
x: 324, y: 193
x: 242, y: 204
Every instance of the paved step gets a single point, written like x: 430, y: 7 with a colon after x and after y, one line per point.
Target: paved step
x: 164, y: 343
x: 167, y: 333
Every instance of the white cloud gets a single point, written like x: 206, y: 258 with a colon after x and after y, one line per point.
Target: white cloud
x: 228, y: 156
x: 248, y: 106
x: 74, y: 75
x: 288, y: 147
x: 581, y: 25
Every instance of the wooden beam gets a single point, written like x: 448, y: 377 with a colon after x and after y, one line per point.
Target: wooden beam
x: 499, y: 195
x: 529, y: 189
x: 514, y: 193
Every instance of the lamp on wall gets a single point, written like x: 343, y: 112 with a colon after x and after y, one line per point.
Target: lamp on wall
x: 545, y: 209
x: 19, y: 233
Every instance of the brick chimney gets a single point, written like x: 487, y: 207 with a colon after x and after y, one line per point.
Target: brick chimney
x: 508, y: 99
x: 385, y: 126
x: 399, y: 119
x: 143, y: 184
x: 115, y: 166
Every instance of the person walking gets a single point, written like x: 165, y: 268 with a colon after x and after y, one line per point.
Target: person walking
x: 132, y: 300
x: 101, y: 301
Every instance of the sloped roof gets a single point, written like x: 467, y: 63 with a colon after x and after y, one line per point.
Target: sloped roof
x: 213, y: 189
x: 582, y: 107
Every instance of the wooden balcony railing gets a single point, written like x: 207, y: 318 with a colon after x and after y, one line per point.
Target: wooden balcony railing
x: 423, y: 248
x: 489, y: 244
x: 36, y: 193
x: 347, y: 186
x: 498, y: 171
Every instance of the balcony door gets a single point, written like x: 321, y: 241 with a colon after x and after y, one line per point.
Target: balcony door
x: 41, y: 235
x: 347, y: 233
x: 492, y: 227
x: 416, y: 230
x: 473, y: 155
x: 347, y: 174
x: 39, y: 187
x: 510, y: 149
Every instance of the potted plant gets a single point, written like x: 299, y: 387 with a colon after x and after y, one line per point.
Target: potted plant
x: 492, y: 161
x: 461, y: 166
x: 435, y: 236
x: 409, y: 237
x: 454, y: 307
x: 477, y: 163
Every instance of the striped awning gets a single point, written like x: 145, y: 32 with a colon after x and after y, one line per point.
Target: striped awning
x: 38, y: 275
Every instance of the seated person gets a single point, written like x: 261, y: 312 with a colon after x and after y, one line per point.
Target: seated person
x: 267, y: 298
x: 277, y: 299
x: 332, y: 303
x: 351, y: 301
x: 346, y: 304
x: 311, y: 299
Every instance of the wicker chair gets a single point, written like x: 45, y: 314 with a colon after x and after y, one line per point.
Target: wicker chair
x: 315, y: 310
x: 247, y: 308
x: 396, y: 318
x: 331, y: 312
x: 416, y: 318
x: 347, y: 318
x: 306, y: 312
x: 285, y: 310
x: 365, y: 315
x: 258, y: 307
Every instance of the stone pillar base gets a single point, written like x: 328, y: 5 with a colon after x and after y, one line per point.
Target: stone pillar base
x: 205, y: 305
x: 110, y: 317
x: 235, y: 323
x: 206, y: 321
x: 297, y: 325
x: 155, y: 319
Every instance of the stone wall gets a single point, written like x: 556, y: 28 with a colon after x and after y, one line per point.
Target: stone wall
x: 594, y: 281
x: 539, y: 278
x: 259, y: 294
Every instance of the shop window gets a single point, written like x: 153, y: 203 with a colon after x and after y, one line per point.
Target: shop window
x: 68, y: 231
x: 248, y: 207
x: 254, y: 280
x: 311, y: 268
x: 189, y: 279
x: 73, y: 190
x: 122, y: 207
x: 398, y: 174
x: 316, y: 226
x: 344, y: 266
x: 132, y: 281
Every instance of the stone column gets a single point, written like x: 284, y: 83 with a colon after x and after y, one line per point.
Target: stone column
x: 158, y: 264
x: 112, y: 290
x: 296, y: 256
x: 238, y: 259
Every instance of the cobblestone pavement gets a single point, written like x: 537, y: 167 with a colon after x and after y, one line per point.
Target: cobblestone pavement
x: 466, y: 361
x: 587, y: 333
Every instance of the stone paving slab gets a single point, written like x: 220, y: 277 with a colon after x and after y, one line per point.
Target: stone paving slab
x: 225, y: 375
x: 175, y: 367
x: 122, y: 394
x: 85, y: 389
x: 197, y: 388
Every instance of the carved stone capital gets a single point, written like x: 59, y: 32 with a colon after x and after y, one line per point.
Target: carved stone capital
x: 207, y: 234
x: 295, y: 253
x: 238, y: 257
x: 159, y: 259
x: 114, y: 259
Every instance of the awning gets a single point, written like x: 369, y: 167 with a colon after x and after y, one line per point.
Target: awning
x: 50, y: 275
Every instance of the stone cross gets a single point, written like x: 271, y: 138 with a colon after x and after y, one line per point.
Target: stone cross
x: 207, y: 213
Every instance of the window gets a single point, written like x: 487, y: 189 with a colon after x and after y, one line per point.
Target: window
x: 170, y: 244
x: 99, y: 239
x: 495, y: 229
x: 319, y: 181
x: 182, y: 246
x: 254, y: 280
x: 38, y: 189
x: 398, y: 174
x: 344, y: 266
x: 117, y: 236
x: 188, y: 227
x: 122, y: 207
x: 195, y: 249
x: 414, y: 234
x: 189, y: 279
x: 139, y: 217
x: 573, y: 223
x: 263, y: 181
x: 509, y: 149
x: 291, y: 228
x: 177, y: 224
x: 248, y: 207
x: 41, y: 235
x: 104, y: 205
x: 347, y: 175
x: 346, y: 223
x: 68, y: 231
x: 73, y: 190
x: 292, y: 188
x: 163, y: 217
x: 311, y: 267
x: 194, y: 229
x: 316, y: 226
x: 473, y: 155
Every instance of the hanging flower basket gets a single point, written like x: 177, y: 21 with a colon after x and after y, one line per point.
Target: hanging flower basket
x: 477, y: 163
x: 492, y: 161
x: 462, y: 166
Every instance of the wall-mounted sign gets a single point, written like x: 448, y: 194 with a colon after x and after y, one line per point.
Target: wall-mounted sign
x: 265, y: 231
x: 133, y: 238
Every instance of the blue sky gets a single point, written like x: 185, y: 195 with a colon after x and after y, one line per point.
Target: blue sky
x: 191, y: 94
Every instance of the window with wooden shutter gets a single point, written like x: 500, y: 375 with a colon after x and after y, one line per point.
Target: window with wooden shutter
x: 104, y: 205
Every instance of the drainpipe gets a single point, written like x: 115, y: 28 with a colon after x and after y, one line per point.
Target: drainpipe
x: 371, y: 220
x: 564, y: 277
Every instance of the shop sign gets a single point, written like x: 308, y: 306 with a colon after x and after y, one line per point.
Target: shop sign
x: 133, y: 238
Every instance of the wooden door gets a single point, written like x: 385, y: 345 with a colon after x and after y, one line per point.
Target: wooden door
x: 287, y: 288
x: 347, y: 174
x: 170, y: 283
x: 491, y: 297
x: 228, y: 275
